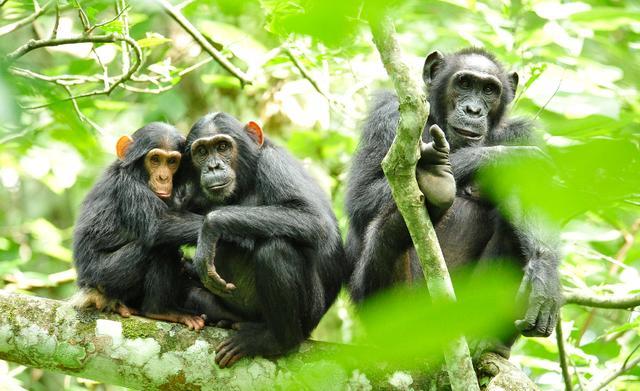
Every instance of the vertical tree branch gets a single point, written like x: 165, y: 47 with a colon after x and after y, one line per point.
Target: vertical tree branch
x: 562, y: 356
x: 399, y: 166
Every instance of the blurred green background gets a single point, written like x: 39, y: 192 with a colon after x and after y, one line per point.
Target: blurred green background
x: 312, y: 67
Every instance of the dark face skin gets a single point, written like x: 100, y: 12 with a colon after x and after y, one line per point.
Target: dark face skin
x: 215, y: 157
x: 474, y: 95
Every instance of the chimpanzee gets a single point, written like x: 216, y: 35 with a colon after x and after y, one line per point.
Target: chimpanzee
x: 127, y: 237
x: 271, y: 233
x: 468, y: 92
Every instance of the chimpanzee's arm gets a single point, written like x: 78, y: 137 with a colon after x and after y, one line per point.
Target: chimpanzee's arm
x: 467, y: 161
x: 266, y: 222
x: 178, y: 228
x: 540, y: 288
x: 385, y: 240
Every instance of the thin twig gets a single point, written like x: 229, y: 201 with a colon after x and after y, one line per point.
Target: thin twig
x: 203, y: 42
x: 562, y: 356
x: 106, y: 22
x: 56, y: 24
x: 111, y: 38
x: 621, y: 255
x: 82, y: 117
x: 550, y: 98
x: 603, y: 301
x: 23, y: 22
x: 124, y: 15
x: 303, y: 71
x: 625, y: 367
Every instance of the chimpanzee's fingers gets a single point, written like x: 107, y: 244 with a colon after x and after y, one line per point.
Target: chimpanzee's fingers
x: 219, y: 281
x: 529, y: 322
x: 439, y: 140
x: 523, y: 290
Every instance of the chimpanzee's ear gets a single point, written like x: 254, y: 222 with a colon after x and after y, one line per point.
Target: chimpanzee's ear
x: 123, y: 145
x: 255, y: 131
x: 432, y: 65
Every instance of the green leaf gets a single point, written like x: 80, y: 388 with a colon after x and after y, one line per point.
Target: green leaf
x: 152, y: 40
x: 104, y: 104
x: 221, y: 81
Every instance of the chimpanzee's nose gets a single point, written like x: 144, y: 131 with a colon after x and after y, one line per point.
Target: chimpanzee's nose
x: 163, y: 177
x: 214, y: 166
x: 472, y: 110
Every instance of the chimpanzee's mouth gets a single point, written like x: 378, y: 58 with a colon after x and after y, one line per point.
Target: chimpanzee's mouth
x: 219, y: 186
x: 163, y: 194
x: 468, y: 134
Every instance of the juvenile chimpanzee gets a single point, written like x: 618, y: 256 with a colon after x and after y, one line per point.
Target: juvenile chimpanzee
x: 272, y: 235
x: 468, y: 92
x: 126, y: 240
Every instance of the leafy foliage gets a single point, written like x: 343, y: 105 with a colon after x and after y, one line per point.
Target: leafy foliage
x: 312, y: 68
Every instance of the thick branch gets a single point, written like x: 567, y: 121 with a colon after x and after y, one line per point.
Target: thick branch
x: 203, y: 42
x: 603, y: 301
x: 399, y: 167
x: 145, y: 354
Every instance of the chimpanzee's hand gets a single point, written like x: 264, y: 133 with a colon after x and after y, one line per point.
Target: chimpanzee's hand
x: 204, y: 263
x: 540, y: 290
x: 434, y: 174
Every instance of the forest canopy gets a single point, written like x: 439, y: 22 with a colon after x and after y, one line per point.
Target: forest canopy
x: 77, y: 75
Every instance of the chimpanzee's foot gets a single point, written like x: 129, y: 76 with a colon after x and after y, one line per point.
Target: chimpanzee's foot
x: 490, y: 345
x: 201, y: 301
x: 250, y: 340
x: 193, y: 322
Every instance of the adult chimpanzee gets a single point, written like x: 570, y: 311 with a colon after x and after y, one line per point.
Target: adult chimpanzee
x: 468, y: 93
x: 126, y: 240
x: 272, y: 234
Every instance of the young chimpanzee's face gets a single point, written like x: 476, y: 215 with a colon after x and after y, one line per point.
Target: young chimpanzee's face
x: 152, y: 154
x: 161, y: 165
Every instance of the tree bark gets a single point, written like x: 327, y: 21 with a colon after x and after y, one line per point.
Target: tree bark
x: 399, y: 166
x: 141, y: 353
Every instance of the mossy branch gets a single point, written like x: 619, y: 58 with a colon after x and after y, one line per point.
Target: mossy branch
x: 141, y: 353
x: 399, y: 166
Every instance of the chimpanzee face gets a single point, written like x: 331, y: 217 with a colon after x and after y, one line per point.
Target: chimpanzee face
x: 161, y: 165
x: 474, y: 93
x: 469, y: 91
x: 152, y: 154
x: 216, y: 157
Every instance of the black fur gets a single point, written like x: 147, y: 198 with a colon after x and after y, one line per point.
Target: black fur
x: 275, y: 237
x: 378, y: 244
x: 126, y: 240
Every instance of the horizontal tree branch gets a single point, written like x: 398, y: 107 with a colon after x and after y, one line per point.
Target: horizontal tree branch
x: 603, y: 301
x: 145, y: 354
x: 108, y: 38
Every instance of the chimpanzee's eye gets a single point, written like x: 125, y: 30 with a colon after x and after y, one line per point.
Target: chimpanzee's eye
x: 172, y: 161
x: 464, y: 82
x: 155, y: 159
x: 201, y: 151
x: 223, y: 146
x: 490, y: 89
